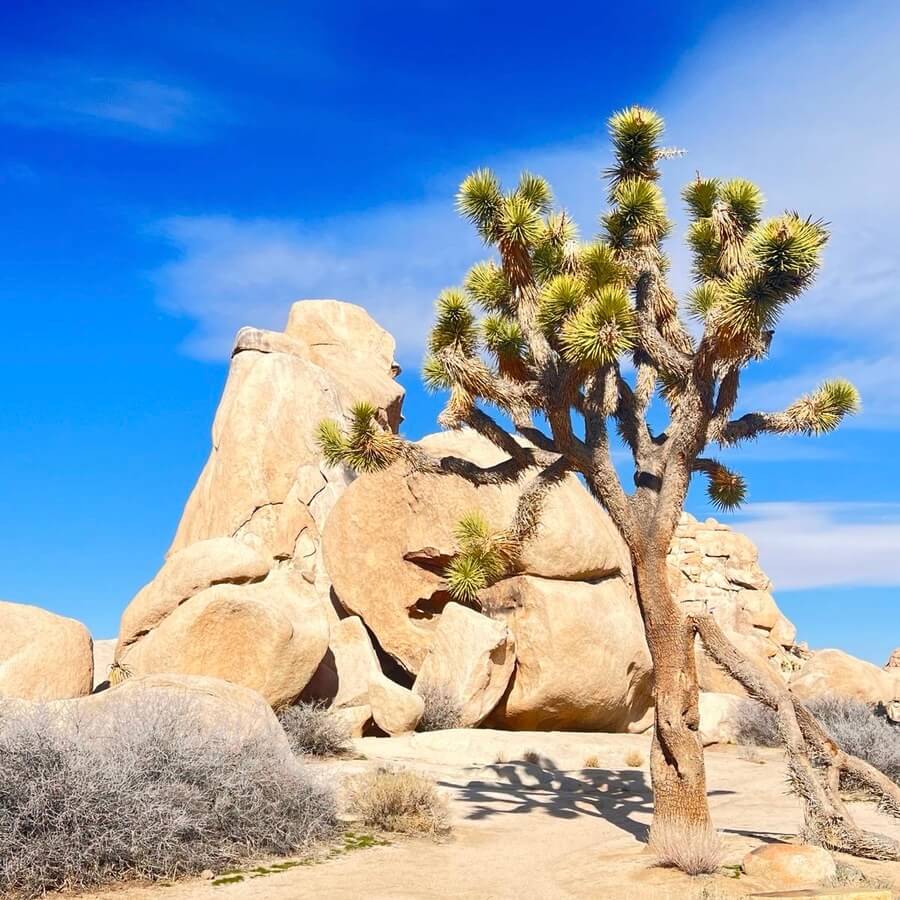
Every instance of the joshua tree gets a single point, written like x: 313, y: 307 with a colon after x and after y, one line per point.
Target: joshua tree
x: 581, y: 338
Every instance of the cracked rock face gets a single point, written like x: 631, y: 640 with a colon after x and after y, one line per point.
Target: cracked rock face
x: 243, y: 594
x: 715, y: 570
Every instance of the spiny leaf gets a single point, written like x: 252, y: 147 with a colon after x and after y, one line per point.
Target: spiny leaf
x: 519, y: 221
x: 559, y: 298
x: 744, y: 200
x: 639, y: 215
x: 454, y: 324
x: 536, y: 191
x: 601, y: 330
x: 599, y: 266
x: 702, y: 299
x: 635, y: 134
x: 700, y: 196
x: 365, y: 447
x: 466, y: 576
x: 487, y: 285
x: 435, y: 375
x: 479, y: 200
x: 726, y: 489
x: 472, y: 531
x: 703, y: 239
x: 330, y: 438
x: 503, y: 336
x: 823, y: 410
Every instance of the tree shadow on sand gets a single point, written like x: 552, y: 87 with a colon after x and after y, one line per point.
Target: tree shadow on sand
x: 618, y: 797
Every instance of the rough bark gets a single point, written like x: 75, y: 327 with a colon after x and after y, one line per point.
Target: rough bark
x: 676, y: 756
x: 815, y: 762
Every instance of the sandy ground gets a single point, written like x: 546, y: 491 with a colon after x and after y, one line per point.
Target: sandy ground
x: 557, y: 829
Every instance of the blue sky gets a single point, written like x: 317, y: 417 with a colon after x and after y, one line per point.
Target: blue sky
x: 171, y: 172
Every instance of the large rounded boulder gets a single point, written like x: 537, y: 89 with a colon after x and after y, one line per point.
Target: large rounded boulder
x: 43, y: 656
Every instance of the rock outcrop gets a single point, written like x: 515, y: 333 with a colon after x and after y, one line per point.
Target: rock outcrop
x: 790, y: 865
x: 715, y: 570
x: 471, y: 658
x: 836, y: 672
x: 243, y: 594
x: 392, y: 577
x: 894, y: 660
x: 43, y: 656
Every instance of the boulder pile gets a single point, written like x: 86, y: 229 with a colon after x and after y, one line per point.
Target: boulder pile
x: 299, y: 581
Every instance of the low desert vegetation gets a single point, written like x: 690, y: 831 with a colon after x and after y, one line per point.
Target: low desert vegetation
x: 695, y: 849
x: 142, y: 794
x: 751, y: 755
x: 854, y: 725
x: 859, y: 731
x: 592, y: 761
x: 634, y: 759
x: 532, y: 757
x: 398, y: 800
x: 852, y: 877
x: 442, y: 708
x: 314, y: 730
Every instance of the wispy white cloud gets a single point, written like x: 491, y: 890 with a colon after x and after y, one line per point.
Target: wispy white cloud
x: 65, y: 95
x: 799, y: 108
x: 817, y: 545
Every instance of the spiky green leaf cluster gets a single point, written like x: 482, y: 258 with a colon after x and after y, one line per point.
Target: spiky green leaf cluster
x: 519, y: 221
x: 364, y: 446
x: 560, y: 297
x: 700, y: 195
x: 536, y: 191
x: 454, y: 324
x: 599, y: 266
x: 639, y: 214
x: 726, y: 490
x: 635, y: 134
x: 783, y: 255
x: 503, y: 337
x: 479, y: 200
x: 483, y: 558
x: 743, y: 200
x: 703, y: 299
x: 601, y: 330
x: 822, y: 410
x: 556, y: 247
x: 486, y: 284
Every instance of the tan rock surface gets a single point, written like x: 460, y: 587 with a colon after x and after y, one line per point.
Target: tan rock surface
x: 894, y: 660
x: 719, y: 717
x: 395, y: 709
x: 184, y: 574
x: 104, y: 656
x: 228, y: 710
x: 581, y: 657
x: 344, y: 675
x: 472, y: 657
x: 269, y: 636
x: 790, y: 865
x: 836, y: 672
x: 715, y: 570
x: 43, y: 656
x: 392, y: 577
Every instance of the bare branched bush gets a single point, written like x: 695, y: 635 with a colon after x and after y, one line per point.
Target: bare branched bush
x: 859, y: 731
x: 592, y: 761
x: 442, y: 708
x: 755, y: 725
x: 748, y: 754
x: 695, y: 849
x: 143, y: 793
x: 314, y: 730
x: 398, y: 800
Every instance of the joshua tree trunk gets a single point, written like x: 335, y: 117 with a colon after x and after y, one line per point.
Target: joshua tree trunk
x: 676, y: 758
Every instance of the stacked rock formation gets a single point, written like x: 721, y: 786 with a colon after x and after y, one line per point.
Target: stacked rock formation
x: 296, y: 580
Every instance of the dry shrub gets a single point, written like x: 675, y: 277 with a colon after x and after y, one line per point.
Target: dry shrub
x: 859, y: 731
x: 398, y: 800
x: 748, y: 754
x: 442, y: 708
x: 142, y: 794
x: 634, y: 759
x: 532, y: 756
x: 592, y: 762
x: 850, y: 876
x: 313, y: 729
x: 755, y: 725
x: 695, y: 849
